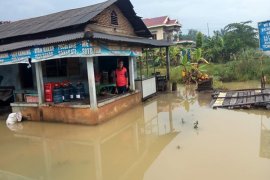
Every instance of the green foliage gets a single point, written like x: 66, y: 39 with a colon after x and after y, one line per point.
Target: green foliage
x: 197, y: 55
x: 175, y: 74
x: 213, y: 47
x: 217, y: 83
x: 239, y: 37
x: 199, y: 40
x: 192, y: 33
x: 241, y: 70
x: 230, y: 43
x: 174, y: 52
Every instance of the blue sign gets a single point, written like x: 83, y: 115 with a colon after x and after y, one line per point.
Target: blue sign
x: 83, y: 48
x: 264, y: 34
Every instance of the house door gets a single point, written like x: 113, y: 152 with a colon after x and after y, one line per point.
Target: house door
x: 26, y: 76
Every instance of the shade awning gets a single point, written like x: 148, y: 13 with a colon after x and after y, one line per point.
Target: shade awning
x: 41, y: 42
x: 137, y: 40
x: 80, y: 44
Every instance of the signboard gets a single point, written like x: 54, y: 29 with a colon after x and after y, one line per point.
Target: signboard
x: 82, y: 48
x: 264, y: 34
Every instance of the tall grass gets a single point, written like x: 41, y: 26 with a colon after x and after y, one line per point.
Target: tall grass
x: 241, y: 70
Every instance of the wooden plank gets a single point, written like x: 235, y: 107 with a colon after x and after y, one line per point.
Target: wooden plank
x: 242, y: 98
x: 222, y: 95
x: 253, y: 100
x: 229, y: 94
x: 233, y: 99
x: 239, y: 101
x: 219, y: 101
x: 248, y: 99
x: 266, y: 91
x: 226, y: 102
x: 259, y: 99
x: 240, y: 94
x: 258, y: 91
x: 266, y: 98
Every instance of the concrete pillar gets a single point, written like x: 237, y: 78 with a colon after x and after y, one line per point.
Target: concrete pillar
x: 168, y: 63
x: 131, y: 73
x: 91, y: 82
x: 135, y: 68
x: 40, y: 84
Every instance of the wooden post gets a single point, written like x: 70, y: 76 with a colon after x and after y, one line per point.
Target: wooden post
x: 40, y: 84
x: 91, y: 82
x: 168, y: 63
x: 147, y: 66
x: 131, y: 73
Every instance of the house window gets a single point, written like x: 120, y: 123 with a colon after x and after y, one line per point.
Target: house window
x: 154, y: 36
x: 114, y: 18
x: 61, y: 68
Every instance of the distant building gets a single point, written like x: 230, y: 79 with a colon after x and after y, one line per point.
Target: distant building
x: 185, y: 43
x: 163, y: 28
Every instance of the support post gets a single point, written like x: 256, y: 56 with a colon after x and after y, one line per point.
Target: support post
x: 91, y: 82
x: 168, y: 63
x: 147, y: 65
x: 131, y: 73
x: 40, y: 84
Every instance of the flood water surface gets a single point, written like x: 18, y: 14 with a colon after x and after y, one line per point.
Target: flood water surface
x: 153, y: 141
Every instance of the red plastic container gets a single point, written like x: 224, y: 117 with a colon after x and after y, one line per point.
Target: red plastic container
x: 48, y: 91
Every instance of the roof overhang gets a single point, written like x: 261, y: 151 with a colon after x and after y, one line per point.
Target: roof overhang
x: 165, y: 25
x: 126, y: 39
x: 75, y: 45
x: 82, y: 35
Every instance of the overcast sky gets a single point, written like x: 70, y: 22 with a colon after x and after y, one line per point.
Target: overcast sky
x: 192, y: 14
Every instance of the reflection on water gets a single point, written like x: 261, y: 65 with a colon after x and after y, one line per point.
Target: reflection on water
x: 265, y: 139
x: 154, y: 141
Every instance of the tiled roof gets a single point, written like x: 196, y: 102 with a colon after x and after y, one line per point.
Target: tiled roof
x: 159, y: 21
x: 171, y: 21
x: 155, y: 21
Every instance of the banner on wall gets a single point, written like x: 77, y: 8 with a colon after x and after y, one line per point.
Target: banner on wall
x: 83, y: 48
x: 264, y: 34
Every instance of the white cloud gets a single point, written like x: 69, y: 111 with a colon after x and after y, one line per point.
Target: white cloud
x: 192, y: 14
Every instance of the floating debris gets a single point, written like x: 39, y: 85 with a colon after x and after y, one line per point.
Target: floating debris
x: 245, y: 98
x: 196, y: 123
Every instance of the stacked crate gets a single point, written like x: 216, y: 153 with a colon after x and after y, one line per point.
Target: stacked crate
x: 48, y: 92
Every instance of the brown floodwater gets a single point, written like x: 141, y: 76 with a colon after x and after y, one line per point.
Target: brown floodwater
x: 152, y: 141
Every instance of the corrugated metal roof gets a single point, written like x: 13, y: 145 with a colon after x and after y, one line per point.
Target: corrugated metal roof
x: 138, y: 40
x: 40, y: 42
x: 81, y: 35
x: 69, y: 18
x: 53, y: 21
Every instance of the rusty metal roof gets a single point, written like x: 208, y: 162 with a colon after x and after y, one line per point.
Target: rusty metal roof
x: 137, y: 40
x: 70, y: 18
x: 53, y: 21
x: 40, y: 42
x: 81, y: 35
